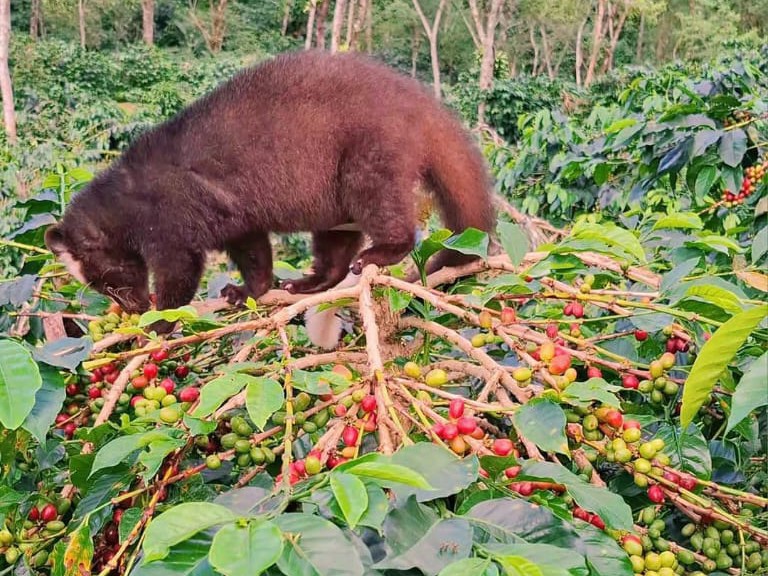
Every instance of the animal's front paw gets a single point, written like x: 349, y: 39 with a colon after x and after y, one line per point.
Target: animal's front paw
x: 357, y: 267
x: 235, y: 295
x: 162, y: 327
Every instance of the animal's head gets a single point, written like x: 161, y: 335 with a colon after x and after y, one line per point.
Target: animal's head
x: 96, y: 258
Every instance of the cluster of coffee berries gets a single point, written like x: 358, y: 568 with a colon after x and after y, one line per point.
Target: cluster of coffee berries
x: 720, y: 544
x: 651, y: 554
x: 459, y: 427
x: 737, y: 117
x: 659, y: 386
x: 753, y: 175
x: 114, y: 319
x: 436, y: 377
x: 42, y: 524
x: 236, y: 434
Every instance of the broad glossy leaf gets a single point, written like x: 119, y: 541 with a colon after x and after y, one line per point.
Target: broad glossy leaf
x: 390, y: 473
x: 620, y: 125
x: 316, y: 547
x: 398, y: 300
x: 73, y: 555
x: 545, y: 556
x: 513, y: 240
x: 444, y: 471
x: 19, y: 382
x: 471, y: 241
x: 174, y: 315
x: 672, y: 278
x: 198, y: 427
x: 417, y: 538
x: 674, y: 160
x: 592, y: 389
x: 17, y: 291
x: 511, y: 521
x: 351, y: 496
x: 543, y: 423
x: 601, y: 501
x: 751, y: 392
x: 431, y: 244
x: 685, y: 220
x: 48, y: 401
x: 733, y: 145
x: 263, y: 397
x: 466, y: 567
x: 250, y: 549
x: 249, y: 500
x: 9, y: 498
x: 153, y: 458
x: 705, y: 179
x: 65, y: 352
x: 714, y: 358
x: 215, y: 392
x: 128, y: 521
x: 760, y: 244
x: 373, y: 517
x: 188, y: 558
x: 610, y: 235
x: 688, y: 452
x: 716, y: 295
x: 314, y: 383
x: 179, y: 523
x: 519, y: 566
x: 99, y: 491
x: 118, y: 450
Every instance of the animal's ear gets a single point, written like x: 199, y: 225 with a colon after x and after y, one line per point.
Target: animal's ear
x: 54, y: 239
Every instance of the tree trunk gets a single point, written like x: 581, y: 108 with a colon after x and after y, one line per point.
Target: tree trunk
x: 361, y: 15
x: 6, y: 88
x: 148, y: 21
x: 81, y: 21
x: 640, y: 34
x: 213, y: 35
x: 535, y: 46
x: 597, y: 40
x: 369, y: 27
x: 432, y: 32
x: 36, y: 19
x: 336, y: 26
x: 320, y: 22
x: 489, y: 55
x: 547, y: 54
x: 287, y: 16
x: 310, y: 24
x: 580, y: 52
x: 615, y: 33
x: 350, y: 22
x: 415, y: 37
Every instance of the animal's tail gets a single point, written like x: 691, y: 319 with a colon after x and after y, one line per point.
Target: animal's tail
x: 458, y: 176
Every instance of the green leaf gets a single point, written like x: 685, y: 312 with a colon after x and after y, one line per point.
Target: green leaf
x: 515, y: 521
x: 128, y: 521
x: 218, y: 390
x: 716, y: 295
x: 398, y: 300
x: 609, y: 235
x: 417, y: 538
x: 513, y: 240
x: 65, y: 352
x: 733, y: 145
x: 250, y: 549
x: 620, y: 125
x: 19, y: 382
x: 750, y: 392
x: 170, y: 315
x: 467, y: 567
x: 685, y: 220
x: 688, y: 452
x: 316, y: 547
x: 198, y: 427
x: 672, y: 278
x: 153, y: 458
x: 443, y: 470
x: 9, y: 498
x: 705, y: 179
x: 263, y: 397
x: 72, y: 556
x: 601, y: 501
x: 179, y: 523
x: 714, y: 358
x: 550, y: 559
x: 351, y: 495
x: 471, y: 241
x: 592, y: 389
x: 760, y: 244
x: 373, y: 517
x: 118, y: 450
x: 518, y: 566
x: 48, y: 402
x: 98, y: 492
x: 388, y: 473
x: 314, y: 383
x: 543, y: 423
x: 188, y: 558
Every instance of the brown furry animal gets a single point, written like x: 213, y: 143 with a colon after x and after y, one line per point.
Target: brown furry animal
x: 304, y: 142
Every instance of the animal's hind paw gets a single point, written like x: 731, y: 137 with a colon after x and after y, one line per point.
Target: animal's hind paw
x: 235, y: 295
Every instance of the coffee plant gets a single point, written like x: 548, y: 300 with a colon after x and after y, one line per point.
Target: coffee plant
x: 593, y: 406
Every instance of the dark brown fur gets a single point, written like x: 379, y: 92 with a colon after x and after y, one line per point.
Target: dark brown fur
x: 304, y: 142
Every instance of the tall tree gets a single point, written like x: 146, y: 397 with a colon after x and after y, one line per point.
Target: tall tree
x: 431, y: 30
x: 148, y: 21
x: 6, y: 88
x: 81, y: 21
x: 214, y: 29
x: 338, y: 24
x: 36, y: 19
x: 310, y: 24
x: 486, y: 22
